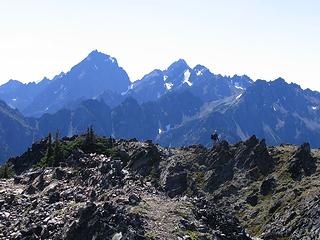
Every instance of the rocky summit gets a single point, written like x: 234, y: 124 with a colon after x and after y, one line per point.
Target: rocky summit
x: 89, y: 187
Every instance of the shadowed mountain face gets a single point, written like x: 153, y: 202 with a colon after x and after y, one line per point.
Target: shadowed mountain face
x: 277, y: 111
x: 16, y: 132
x: 76, y: 121
x: 130, y: 119
x: 19, y: 95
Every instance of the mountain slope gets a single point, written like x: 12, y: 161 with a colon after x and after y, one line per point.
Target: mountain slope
x: 128, y: 120
x: 146, y: 121
x: 277, y: 111
x: 91, y: 77
x: 16, y: 132
x: 19, y: 95
x: 76, y: 121
x: 180, y: 77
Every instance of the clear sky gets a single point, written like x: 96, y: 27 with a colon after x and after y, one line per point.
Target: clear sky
x: 261, y: 38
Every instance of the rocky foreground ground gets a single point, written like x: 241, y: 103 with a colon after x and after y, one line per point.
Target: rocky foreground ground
x: 139, y: 190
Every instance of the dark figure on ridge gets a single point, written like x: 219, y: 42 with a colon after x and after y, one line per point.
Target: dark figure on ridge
x: 215, y: 139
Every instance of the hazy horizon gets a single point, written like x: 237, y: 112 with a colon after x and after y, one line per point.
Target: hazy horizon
x: 264, y: 40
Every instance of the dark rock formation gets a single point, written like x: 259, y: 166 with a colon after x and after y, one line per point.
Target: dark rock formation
x: 105, y: 222
x: 225, y: 225
x: 302, y: 163
x: 267, y: 186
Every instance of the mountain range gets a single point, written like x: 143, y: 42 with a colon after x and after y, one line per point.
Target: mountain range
x: 174, y: 107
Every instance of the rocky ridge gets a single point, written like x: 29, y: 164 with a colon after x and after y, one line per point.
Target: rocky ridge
x: 139, y: 190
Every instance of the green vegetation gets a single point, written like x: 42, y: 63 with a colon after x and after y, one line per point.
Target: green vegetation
x: 6, y: 171
x: 49, y: 158
x: 150, y: 235
x: 290, y: 192
x: 142, y: 208
x: 58, y: 149
x: 193, y: 235
x: 154, y: 176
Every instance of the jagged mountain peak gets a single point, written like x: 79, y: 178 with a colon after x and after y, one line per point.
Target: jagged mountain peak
x: 200, y: 69
x: 88, y: 79
x: 154, y: 73
x: 43, y: 81
x: 179, y: 65
x: 279, y: 80
x: 95, y: 56
x: 12, y: 83
x: 60, y: 75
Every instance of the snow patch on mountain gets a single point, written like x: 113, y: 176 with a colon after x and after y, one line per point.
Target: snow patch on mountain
x: 129, y: 88
x: 186, y: 77
x: 168, y: 85
x: 199, y: 72
x: 279, y: 108
x: 238, y: 87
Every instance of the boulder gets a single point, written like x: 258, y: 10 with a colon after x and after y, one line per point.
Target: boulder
x: 267, y: 186
x: 134, y: 199
x: 174, y: 179
x: 252, y: 199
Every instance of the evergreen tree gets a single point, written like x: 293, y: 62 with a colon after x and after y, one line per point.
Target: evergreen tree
x: 87, y: 139
x: 110, y: 142
x: 92, y: 134
x: 57, y: 151
x: 49, y: 153
x: 6, y: 171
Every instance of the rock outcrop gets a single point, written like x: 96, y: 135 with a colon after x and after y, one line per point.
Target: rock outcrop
x: 302, y: 162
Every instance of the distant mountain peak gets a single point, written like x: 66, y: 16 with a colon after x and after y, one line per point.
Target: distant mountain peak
x: 200, y: 69
x: 279, y: 80
x: 13, y: 83
x: 180, y: 64
x: 60, y: 75
x: 95, y: 55
x: 45, y: 79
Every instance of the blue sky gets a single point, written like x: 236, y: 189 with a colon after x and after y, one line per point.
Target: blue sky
x: 263, y: 39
